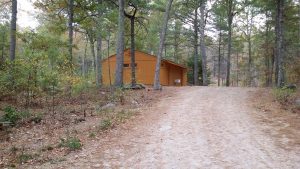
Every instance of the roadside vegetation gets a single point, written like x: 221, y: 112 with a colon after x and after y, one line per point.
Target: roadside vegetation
x: 38, y: 133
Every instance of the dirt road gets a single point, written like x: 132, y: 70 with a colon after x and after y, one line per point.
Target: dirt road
x: 199, y: 127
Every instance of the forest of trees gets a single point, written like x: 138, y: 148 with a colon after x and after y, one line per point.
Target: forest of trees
x: 223, y: 42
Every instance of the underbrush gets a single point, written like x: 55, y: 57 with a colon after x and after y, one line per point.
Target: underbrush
x: 284, y: 95
x: 90, y: 111
x: 72, y: 143
x: 11, y: 115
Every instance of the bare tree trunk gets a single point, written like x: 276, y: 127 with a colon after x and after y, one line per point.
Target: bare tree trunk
x: 249, y: 34
x: 98, y: 61
x: 230, y: 17
x: 268, y: 70
x: 237, y: 68
x: 108, y: 59
x: 219, y: 58
x: 2, y: 60
x: 279, y: 44
x: 214, y: 65
x: 13, y: 30
x: 120, y: 46
x: 132, y: 43
x: 161, y: 46
x: 176, y: 41
x: 196, y: 55
x: 132, y: 52
x: 299, y: 29
x: 92, y: 48
x: 272, y: 68
x: 202, y: 44
x: 70, y: 27
x: 85, y: 69
x: 99, y: 48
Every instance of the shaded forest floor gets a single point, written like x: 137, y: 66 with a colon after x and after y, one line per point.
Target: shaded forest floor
x: 48, y: 136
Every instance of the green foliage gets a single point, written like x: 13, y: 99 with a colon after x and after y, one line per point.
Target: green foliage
x: 124, y: 114
x: 105, y: 124
x: 117, y: 96
x: 72, y: 143
x: 24, y: 157
x: 190, y: 73
x: 92, y: 135
x: 284, y: 95
x: 12, y: 115
x: 80, y: 84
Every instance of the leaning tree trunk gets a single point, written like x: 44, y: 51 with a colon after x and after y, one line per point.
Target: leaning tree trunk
x: 13, y: 30
x: 202, y: 45
x: 120, y: 46
x: 196, y: 55
x: 279, y: 45
x: 230, y: 17
x: 161, y: 46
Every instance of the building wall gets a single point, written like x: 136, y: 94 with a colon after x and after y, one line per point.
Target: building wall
x: 144, y: 71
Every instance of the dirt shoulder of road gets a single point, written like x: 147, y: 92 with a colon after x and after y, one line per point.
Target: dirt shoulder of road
x: 278, y: 121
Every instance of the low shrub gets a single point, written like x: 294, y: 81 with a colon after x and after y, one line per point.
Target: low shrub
x: 92, y: 135
x: 72, y: 143
x: 23, y: 158
x: 105, y: 124
x: 117, y: 96
x: 12, y: 115
x: 284, y: 95
x: 124, y: 114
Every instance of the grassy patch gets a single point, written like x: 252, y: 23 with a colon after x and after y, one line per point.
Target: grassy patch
x: 105, y: 124
x: 284, y: 95
x: 12, y: 115
x: 72, y: 143
x: 24, y: 157
x: 106, y: 112
x: 124, y: 115
x: 92, y: 135
x: 57, y: 160
x: 117, y: 96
